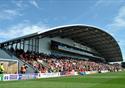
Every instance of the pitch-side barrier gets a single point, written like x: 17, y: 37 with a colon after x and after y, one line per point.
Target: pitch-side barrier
x: 9, y: 77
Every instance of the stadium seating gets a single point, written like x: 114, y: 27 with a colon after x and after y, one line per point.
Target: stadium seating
x: 50, y: 63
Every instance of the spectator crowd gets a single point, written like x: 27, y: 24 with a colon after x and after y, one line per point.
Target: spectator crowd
x: 50, y: 63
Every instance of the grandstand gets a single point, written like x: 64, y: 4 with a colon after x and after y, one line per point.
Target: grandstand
x: 44, y: 50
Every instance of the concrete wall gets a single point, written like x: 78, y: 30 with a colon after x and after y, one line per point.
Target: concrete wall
x: 44, y: 45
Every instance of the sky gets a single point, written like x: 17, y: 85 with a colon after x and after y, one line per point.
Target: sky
x: 22, y: 17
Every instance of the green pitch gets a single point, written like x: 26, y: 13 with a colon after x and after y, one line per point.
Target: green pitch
x: 107, y: 80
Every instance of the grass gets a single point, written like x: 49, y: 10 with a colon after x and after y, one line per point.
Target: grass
x: 106, y: 80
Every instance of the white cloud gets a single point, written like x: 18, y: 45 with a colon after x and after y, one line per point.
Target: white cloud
x: 108, y: 2
x: 9, y: 14
x: 22, y: 4
x: 12, y: 12
x: 99, y: 2
x: 18, y: 3
x: 117, y: 28
x: 118, y: 22
x: 21, y: 30
x: 34, y: 3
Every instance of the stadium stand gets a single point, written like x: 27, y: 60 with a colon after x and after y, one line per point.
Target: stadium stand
x: 49, y: 64
x: 65, y: 49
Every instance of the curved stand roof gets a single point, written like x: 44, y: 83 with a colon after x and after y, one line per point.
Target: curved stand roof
x: 90, y: 36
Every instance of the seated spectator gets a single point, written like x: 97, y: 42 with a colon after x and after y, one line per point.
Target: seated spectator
x: 45, y: 63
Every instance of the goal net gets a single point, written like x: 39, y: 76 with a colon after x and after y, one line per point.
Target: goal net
x: 10, y: 66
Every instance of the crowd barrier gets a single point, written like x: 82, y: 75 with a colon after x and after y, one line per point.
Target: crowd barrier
x: 92, y: 72
x: 9, y: 77
x: 105, y: 71
x: 48, y: 75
